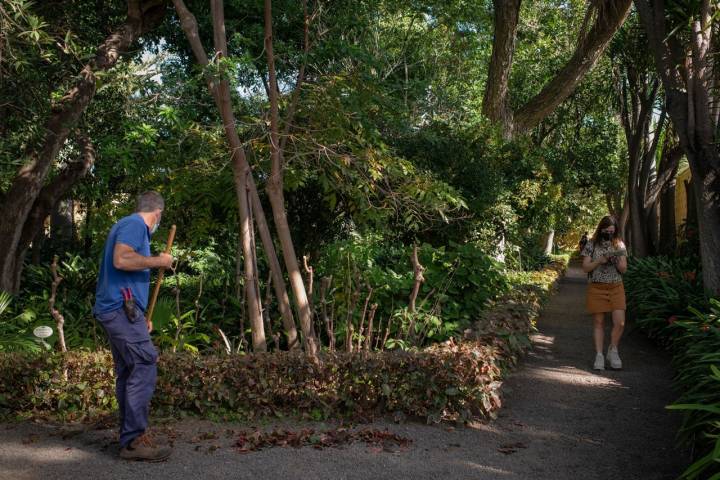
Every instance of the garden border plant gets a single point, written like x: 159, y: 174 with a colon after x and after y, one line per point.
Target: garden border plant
x: 667, y: 302
x: 455, y: 380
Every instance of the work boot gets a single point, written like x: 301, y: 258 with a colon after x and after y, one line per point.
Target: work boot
x: 599, y: 362
x: 144, y: 448
x: 614, y: 358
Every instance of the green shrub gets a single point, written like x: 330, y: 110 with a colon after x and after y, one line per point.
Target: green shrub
x: 450, y: 380
x: 456, y: 381
x: 666, y: 300
x: 15, y: 332
x: 75, y: 297
x: 660, y: 287
x: 459, y: 281
x: 511, y: 318
x: 696, y: 358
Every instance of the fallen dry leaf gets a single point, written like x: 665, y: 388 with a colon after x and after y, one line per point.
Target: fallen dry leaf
x: 509, y: 448
x: 378, y: 440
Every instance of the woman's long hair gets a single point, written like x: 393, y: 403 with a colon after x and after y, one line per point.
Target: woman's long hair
x: 608, y: 221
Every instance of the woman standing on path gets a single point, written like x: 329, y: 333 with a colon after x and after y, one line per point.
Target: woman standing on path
x: 605, y: 260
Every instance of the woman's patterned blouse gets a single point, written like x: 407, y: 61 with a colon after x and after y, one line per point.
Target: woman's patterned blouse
x: 606, y: 273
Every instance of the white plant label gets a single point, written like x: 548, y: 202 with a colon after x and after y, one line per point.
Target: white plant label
x: 43, y: 332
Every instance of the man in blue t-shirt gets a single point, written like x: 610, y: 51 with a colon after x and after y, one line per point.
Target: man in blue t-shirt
x: 121, y: 298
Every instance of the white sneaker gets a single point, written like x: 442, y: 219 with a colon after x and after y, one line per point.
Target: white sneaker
x: 599, y: 362
x: 614, y: 358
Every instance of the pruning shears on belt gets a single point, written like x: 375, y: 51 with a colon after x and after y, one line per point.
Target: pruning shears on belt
x: 129, y: 303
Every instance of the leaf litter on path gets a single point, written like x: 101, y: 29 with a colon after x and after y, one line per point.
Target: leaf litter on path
x: 377, y: 440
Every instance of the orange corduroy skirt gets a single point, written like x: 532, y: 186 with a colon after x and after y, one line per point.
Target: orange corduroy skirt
x: 605, y: 297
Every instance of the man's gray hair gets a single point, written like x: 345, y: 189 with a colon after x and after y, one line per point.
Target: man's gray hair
x: 149, y: 202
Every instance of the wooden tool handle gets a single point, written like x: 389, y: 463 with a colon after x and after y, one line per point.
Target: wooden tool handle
x: 161, y: 274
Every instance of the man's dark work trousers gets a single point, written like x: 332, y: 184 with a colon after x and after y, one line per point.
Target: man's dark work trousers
x: 135, y: 360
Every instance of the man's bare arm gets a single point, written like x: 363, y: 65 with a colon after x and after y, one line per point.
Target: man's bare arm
x: 126, y: 258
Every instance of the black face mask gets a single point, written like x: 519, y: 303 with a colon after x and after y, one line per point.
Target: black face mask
x: 605, y: 236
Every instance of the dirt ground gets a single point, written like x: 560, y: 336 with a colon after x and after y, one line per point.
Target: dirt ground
x: 561, y: 420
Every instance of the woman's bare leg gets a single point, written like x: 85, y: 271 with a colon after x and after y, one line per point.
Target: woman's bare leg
x: 599, y: 331
x: 618, y: 318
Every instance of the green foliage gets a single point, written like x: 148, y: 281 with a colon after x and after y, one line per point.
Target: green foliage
x: 182, y: 320
x: 667, y: 301
x: 456, y: 381
x: 75, y: 297
x: 200, y: 296
x: 447, y: 381
x: 43, y: 45
x: 696, y: 342
x: 459, y: 280
x: 661, y: 287
x: 387, y: 137
x: 179, y: 332
x: 16, y: 333
x: 30, y: 308
x: 510, y: 319
x: 471, y: 278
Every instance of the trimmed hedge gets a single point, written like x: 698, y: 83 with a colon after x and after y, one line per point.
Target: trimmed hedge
x: 448, y: 381
x: 432, y: 384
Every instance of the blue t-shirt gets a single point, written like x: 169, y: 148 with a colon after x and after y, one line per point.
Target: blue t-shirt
x: 131, y: 231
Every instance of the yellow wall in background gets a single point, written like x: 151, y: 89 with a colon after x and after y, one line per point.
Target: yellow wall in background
x: 681, y: 197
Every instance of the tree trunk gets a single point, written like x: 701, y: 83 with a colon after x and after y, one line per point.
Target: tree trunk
x: 500, y: 246
x: 688, y: 80
x: 609, y: 16
x: 371, y: 320
x: 20, y: 197
x: 48, y: 199
x: 668, y: 233
x: 266, y: 314
x: 638, y: 237
x: 691, y: 216
x: 277, y: 199
x: 635, y: 227
x: 614, y: 204
x: 61, y: 229
x: 663, y: 194
x: 328, y: 320
x: 87, y: 230
x: 280, y: 290
x: 653, y: 183
x: 54, y: 312
x: 638, y: 92
x: 418, y: 280
x: 652, y: 228
x: 278, y: 279
x: 241, y: 172
x: 548, y: 240
x: 37, y: 247
x: 706, y: 189
x: 189, y: 26
x: 495, y: 102
x: 624, y: 219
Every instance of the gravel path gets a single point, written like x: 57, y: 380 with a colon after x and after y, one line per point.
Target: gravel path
x: 560, y: 421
